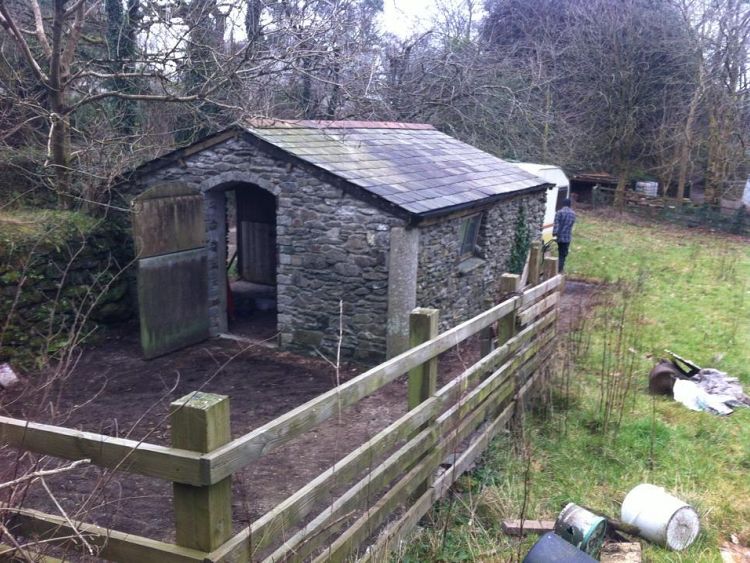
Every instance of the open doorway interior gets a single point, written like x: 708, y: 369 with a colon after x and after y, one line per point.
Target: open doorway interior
x: 251, y: 262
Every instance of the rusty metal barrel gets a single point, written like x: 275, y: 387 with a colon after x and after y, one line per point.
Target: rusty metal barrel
x: 582, y: 528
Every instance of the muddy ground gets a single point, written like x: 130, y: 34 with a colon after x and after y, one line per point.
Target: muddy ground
x: 113, y: 391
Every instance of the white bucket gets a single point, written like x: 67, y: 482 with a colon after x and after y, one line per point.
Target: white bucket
x: 660, y: 517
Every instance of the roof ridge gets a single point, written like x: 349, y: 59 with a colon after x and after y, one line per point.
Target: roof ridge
x: 267, y: 123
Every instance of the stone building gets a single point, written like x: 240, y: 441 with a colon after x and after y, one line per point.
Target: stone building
x: 383, y: 217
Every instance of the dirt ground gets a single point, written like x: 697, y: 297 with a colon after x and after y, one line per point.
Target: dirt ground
x: 113, y: 391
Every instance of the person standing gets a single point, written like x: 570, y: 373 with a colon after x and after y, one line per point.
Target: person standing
x: 565, y: 218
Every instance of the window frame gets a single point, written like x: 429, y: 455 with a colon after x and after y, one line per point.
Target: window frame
x: 468, y: 236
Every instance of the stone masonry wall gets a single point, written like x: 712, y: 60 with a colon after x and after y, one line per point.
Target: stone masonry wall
x: 441, y: 283
x: 57, y: 285
x: 331, y: 246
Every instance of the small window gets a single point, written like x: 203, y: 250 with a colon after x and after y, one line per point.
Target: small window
x: 469, y: 235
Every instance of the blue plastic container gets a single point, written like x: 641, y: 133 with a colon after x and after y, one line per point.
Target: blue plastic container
x: 551, y: 548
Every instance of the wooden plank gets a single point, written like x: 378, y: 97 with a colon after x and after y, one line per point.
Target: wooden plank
x: 203, y: 515
x: 285, y: 515
x: 173, y: 301
x: 519, y: 528
x: 549, y: 267
x: 486, y: 337
x: 538, y: 308
x: 236, y: 550
x: 168, y: 218
x: 230, y: 458
x: 403, y: 526
x: 316, y: 533
x: 500, y: 377
x: 348, y: 542
x: 533, y: 294
x: 524, y: 280
x: 132, y: 456
x: 205, y: 144
x: 423, y: 327
x: 289, y: 513
x: 506, y: 327
x: 535, y: 262
x: 10, y: 553
x: 111, y: 544
x: 459, y: 385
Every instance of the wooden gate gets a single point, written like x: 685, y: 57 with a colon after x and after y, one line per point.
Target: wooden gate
x: 168, y: 226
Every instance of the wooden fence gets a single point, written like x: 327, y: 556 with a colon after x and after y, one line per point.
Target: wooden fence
x: 384, y: 486
x: 732, y: 219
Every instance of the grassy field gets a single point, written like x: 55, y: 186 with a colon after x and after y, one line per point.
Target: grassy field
x: 601, y: 433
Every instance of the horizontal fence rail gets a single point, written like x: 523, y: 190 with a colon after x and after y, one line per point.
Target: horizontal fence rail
x: 334, y: 515
x: 172, y: 464
x: 238, y: 453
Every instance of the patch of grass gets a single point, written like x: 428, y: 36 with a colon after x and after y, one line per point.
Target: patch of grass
x: 23, y: 227
x: 696, y: 302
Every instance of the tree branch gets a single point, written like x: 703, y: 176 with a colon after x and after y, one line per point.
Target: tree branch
x: 39, y: 28
x: 24, y: 46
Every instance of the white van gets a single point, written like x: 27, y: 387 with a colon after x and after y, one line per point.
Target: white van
x: 560, y: 191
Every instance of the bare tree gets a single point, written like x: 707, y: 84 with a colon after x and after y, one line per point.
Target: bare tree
x: 91, y: 61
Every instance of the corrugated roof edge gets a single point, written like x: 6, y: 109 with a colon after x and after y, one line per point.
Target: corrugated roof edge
x: 265, y: 123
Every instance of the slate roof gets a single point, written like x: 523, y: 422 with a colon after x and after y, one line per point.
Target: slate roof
x: 413, y: 166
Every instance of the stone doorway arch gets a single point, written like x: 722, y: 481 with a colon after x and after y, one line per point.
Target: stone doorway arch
x: 241, y: 219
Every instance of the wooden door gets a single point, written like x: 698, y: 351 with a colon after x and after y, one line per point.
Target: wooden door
x: 256, y: 235
x: 169, y: 230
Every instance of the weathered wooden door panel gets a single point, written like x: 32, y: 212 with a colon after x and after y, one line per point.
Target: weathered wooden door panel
x: 173, y: 306
x: 257, y: 242
x: 256, y: 236
x: 169, y: 233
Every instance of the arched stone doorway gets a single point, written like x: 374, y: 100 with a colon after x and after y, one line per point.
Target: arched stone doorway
x: 241, y: 235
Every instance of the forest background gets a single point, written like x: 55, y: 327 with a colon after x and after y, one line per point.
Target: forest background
x: 643, y: 89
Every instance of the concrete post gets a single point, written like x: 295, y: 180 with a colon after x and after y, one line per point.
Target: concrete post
x: 403, y: 261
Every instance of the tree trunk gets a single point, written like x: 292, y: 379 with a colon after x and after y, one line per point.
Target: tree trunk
x: 713, y: 173
x: 547, y: 113
x: 59, y: 134
x: 687, y: 140
x: 59, y: 145
x: 622, y: 182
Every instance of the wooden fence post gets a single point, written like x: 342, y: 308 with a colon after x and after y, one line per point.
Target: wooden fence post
x: 550, y: 267
x: 486, y: 341
x: 506, y: 326
x: 203, y: 515
x: 423, y: 326
x: 535, y: 262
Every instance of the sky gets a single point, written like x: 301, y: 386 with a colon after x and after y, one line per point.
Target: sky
x: 404, y: 17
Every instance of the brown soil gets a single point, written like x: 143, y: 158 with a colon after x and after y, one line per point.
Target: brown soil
x: 113, y: 391
x: 577, y: 302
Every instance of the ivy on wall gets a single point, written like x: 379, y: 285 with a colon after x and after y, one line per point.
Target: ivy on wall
x: 521, y: 243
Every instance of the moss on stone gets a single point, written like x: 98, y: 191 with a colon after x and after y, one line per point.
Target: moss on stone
x: 56, y: 266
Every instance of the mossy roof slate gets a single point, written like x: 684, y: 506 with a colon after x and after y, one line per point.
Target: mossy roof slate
x: 413, y: 166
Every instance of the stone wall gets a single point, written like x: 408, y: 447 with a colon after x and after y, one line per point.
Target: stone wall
x: 58, y: 281
x: 458, y: 289
x: 331, y: 246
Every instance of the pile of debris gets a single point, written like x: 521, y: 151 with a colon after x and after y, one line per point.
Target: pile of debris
x: 699, y: 389
x: 581, y: 535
